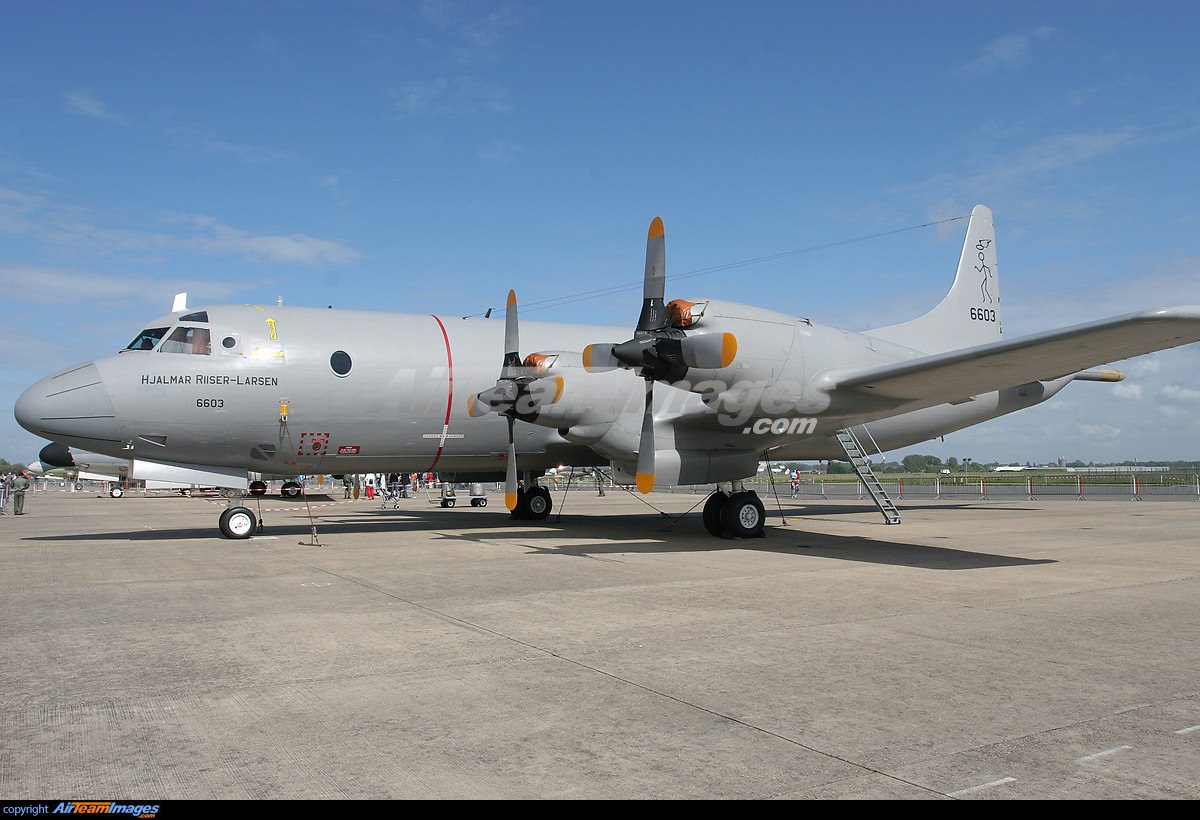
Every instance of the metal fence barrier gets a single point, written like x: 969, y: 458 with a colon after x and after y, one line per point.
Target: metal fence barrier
x: 1077, y: 486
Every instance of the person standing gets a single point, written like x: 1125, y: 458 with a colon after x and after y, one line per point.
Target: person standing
x: 19, y: 485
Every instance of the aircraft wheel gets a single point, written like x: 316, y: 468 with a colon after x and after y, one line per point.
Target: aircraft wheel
x: 743, y: 515
x: 258, y: 488
x: 712, y: 513
x: 537, y: 504
x: 237, y: 522
x: 115, y: 491
x: 290, y: 489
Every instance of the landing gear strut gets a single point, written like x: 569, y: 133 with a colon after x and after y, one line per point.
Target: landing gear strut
x: 739, y: 515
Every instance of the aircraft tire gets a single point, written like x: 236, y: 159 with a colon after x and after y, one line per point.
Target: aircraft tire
x: 258, y: 488
x: 290, y: 489
x: 744, y: 515
x: 115, y: 492
x: 237, y: 523
x: 712, y: 513
x: 538, y: 504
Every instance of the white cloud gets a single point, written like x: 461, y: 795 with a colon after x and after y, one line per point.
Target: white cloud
x: 501, y: 152
x: 461, y: 97
x: 1006, y: 53
x: 1175, y: 392
x: 252, y: 154
x: 81, y: 101
x: 43, y: 285
x: 66, y: 226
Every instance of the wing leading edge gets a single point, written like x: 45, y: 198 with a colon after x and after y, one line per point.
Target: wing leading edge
x: 960, y: 374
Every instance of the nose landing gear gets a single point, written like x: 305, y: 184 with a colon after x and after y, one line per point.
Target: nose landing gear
x: 237, y: 523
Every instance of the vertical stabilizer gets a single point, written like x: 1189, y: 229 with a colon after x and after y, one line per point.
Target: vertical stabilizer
x: 970, y: 313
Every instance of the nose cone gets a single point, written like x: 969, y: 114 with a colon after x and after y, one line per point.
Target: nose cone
x: 71, y: 407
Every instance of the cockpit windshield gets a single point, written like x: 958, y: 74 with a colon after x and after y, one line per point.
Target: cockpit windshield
x: 193, y: 340
x: 148, y: 338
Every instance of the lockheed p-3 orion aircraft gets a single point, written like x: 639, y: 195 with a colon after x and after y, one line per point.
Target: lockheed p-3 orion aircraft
x: 697, y: 395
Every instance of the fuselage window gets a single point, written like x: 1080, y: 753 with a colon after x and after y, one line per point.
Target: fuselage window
x: 147, y: 339
x: 198, y: 316
x: 340, y: 362
x: 193, y: 340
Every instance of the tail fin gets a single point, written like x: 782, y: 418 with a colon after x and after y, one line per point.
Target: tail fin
x: 970, y: 313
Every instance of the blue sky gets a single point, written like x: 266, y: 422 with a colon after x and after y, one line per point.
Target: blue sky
x: 427, y: 156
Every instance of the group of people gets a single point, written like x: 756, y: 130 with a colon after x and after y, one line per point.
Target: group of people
x: 15, y: 485
x: 378, y: 483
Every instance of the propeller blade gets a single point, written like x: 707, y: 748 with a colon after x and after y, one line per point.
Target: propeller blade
x: 476, y: 407
x: 598, y: 358
x: 542, y: 392
x: 709, y: 351
x: 510, y: 477
x: 645, y: 459
x: 511, y: 368
x: 654, y: 312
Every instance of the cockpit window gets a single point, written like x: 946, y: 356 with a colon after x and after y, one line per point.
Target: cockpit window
x: 147, y: 339
x: 198, y: 316
x: 193, y: 340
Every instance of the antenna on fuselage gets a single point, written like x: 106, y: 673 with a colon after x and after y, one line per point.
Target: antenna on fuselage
x: 180, y: 302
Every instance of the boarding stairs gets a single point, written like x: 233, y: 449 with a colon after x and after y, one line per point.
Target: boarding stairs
x: 862, y: 467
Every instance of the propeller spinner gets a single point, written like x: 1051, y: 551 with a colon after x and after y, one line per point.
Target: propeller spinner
x: 659, y: 350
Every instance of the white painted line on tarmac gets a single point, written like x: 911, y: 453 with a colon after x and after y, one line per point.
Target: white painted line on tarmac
x: 983, y: 786
x: 1185, y: 731
x: 1105, y: 753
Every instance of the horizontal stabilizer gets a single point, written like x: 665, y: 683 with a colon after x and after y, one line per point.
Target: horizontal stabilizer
x: 960, y: 374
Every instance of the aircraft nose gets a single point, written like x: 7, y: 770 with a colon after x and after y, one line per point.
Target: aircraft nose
x: 70, y: 407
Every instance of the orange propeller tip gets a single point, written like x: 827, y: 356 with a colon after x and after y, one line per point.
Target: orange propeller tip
x: 512, y: 298
x: 656, y: 228
x: 510, y: 501
x: 728, y: 349
x: 645, y: 482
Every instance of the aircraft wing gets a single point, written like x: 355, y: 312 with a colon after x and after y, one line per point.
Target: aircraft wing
x: 960, y: 374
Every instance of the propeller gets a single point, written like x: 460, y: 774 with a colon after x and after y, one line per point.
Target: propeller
x: 518, y: 394
x: 660, y: 350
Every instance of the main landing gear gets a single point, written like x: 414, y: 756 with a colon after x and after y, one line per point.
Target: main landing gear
x: 533, y: 504
x: 739, y: 514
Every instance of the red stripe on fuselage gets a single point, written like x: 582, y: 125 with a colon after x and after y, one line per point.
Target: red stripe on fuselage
x: 449, y: 392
